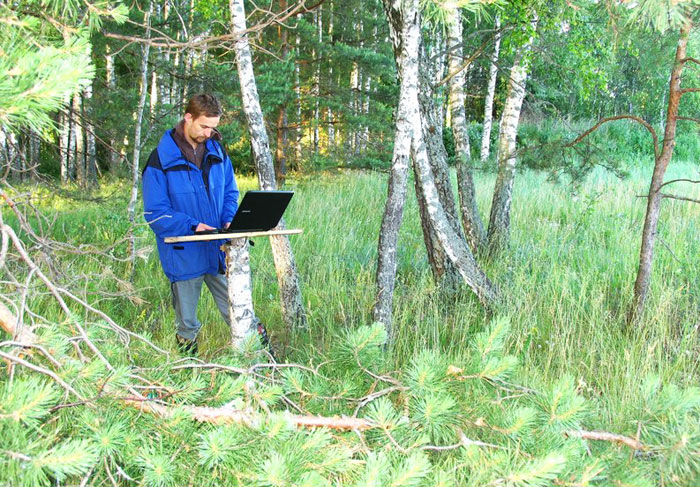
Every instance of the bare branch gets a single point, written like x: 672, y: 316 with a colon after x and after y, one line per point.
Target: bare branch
x: 464, y: 65
x: 690, y: 60
x: 681, y: 198
x: 690, y: 90
x: 605, y: 436
x: 42, y: 370
x: 635, y: 118
x: 679, y: 181
x: 690, y: 119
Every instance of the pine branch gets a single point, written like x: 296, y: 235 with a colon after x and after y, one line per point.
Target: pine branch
x: 42, y: 370
x: 602, y: 121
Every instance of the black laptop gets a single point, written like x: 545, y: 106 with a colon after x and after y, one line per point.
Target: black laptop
x: 259, y: 211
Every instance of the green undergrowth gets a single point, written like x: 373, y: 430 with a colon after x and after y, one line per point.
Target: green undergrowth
x: 566, y: 280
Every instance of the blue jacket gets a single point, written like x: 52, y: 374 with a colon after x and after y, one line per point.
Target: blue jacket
x: 177, y: 196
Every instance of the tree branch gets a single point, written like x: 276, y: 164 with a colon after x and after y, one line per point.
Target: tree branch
x: 679, y: 181
x: 42, y: 370
x: 605, y: 436
x: 690, y: 60
x: 634, y: 118
x: 690, y: 119
x: 682, y: 198
x: 689, y: 90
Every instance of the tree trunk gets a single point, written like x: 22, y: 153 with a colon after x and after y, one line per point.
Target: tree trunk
x: 654, y: 197
x: 91, y: 153
x: 297, y: 94
x: 499, y: 220
x: 471, y: 220
x: 78, y: 140
x: 318, y: 18
x: 404, y: 23
x: 281, y: 146
x: 406, y: 39
x: 240, y: 290
x: 490, y: 92
x: 443, y: 269
x: 114, y: 155
x: 290, y: 294
x: 64, y: 140
x: 143, y: 90
x: 329, y: 110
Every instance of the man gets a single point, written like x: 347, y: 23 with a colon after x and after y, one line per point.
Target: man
x: 189, y: 186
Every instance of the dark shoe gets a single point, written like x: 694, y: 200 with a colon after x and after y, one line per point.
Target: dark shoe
x: 185, y: 346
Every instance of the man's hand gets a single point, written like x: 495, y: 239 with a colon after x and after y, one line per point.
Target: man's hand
x: 226, y: 225
x: 202, y: 227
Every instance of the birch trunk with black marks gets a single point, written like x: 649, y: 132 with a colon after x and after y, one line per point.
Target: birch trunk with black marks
x: 111, y: 80
x: 499, y: 219
x: 655, y: 196
x: 91, y: 153
x: 240, y: 290
x: 443, y: 269
x: 406, y: 38
x: 318, y: 18
x: 136, y: 155
x: 297, y: 95
x: 490, y: 92
x: 290, y: 293
x: 404, y: 23
x: 471, y: 220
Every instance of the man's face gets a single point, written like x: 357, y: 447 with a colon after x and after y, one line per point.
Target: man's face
x: 199, y: 129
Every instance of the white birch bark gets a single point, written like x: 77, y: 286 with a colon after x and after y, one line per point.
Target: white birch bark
x: 135, y: 173
x: 111, y: 81
x: 318, y: 17
x: 329, y: 110
x: 499, y: 220
x: 471, y: 220
x: 406, y: 38
x: 290, y: 293
x: 240, y: 290
x: 91, y: 153
x: 297, y: 94
x: 490, y: 92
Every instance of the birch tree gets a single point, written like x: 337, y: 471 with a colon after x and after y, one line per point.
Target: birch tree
x: 490, y: 92
x: 404, y: 23
x: 143, y: 91
x: 471, y: 220
x: 499, y: 220
x: 290, y: 293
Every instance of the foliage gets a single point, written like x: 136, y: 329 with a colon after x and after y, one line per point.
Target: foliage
x: 45, y: 57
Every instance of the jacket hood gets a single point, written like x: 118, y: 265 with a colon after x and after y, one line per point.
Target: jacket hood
x: 170, y: 154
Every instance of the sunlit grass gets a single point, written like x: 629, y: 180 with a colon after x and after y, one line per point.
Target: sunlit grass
x: 567, y: 277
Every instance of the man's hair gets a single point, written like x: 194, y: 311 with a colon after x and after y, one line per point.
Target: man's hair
x: 204, y: 104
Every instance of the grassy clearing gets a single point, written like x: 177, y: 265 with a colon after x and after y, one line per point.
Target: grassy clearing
x: 567, y: 278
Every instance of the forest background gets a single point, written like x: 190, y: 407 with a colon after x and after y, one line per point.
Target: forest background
x: 541, y: 374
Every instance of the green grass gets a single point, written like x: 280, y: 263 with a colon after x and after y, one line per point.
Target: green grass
x: 567, y: 278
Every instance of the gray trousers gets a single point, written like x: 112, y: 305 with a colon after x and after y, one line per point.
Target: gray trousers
x: 186, y: 296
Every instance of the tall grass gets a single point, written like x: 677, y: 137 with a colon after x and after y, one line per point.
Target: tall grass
x: 567, y: 277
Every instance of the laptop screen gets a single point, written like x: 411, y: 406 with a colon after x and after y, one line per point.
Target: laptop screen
x: 260, y: 211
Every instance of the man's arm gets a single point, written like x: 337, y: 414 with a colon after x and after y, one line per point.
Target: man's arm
x: 230, y: 192
x: 157, y: 209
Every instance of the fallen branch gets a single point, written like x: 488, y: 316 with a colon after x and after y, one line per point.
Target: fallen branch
x: 605, y: 436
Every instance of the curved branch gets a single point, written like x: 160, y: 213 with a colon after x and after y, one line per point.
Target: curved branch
x: 690, y: 119
x: 690, y: 60
x: 690, y: 90
x: 634, y: 118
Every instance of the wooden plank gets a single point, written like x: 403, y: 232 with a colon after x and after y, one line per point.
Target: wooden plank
x: 228, y: 236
